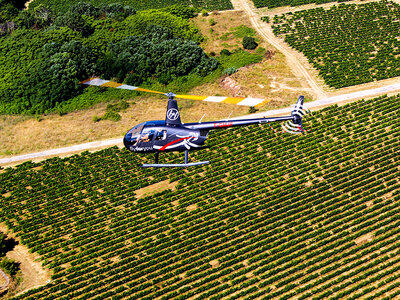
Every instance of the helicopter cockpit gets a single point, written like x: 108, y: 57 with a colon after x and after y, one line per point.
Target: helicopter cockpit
x: 145, y: 133
x: 132, y: 135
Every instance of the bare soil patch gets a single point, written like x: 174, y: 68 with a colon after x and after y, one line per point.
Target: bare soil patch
x: 364, y: 239
x: 33, y: 274
x: 214, y: 263
x: 155, y: 188
x: 191, y: 207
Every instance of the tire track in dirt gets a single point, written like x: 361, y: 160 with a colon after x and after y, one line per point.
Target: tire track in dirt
x: 7, y: 280
x: 263, y: 29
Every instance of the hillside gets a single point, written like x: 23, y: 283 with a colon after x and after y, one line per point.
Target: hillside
x: 273, y: 216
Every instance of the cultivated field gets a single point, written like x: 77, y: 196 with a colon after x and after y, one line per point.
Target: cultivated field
x: 348, y: 44
x: 274, y: 216
x: 279, y: 3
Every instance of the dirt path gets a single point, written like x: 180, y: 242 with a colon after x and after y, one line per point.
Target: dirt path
x: 293, y: 59
x: 6, y: 280
x: 33, y: 274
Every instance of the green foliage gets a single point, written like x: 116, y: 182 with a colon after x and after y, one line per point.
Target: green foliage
x: 265, y: 19
x: 3, y: 245
x: 252, y: 110
x: 278, y: 3
x: 112, y: 112
x: 155, y: 54
x: 8, y: 10
x: 212, y: 22
x: 55, y: 76
x: 111, y: 115
x: 230, y: 71
x: 239, y: 59
x: 9, y: 266
x: 43, y: 80
x: 348, y: 44
x: 249, y: 43
x: 243, y: 31
x: 63, y: 6
x: 225, y: 52
x: 182, y: 11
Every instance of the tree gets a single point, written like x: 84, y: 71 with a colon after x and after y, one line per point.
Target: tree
x: 155, y: 54
x: 10, y: 266
x: 249, y: 43
x: 56, y: 75
x: 2, y: 244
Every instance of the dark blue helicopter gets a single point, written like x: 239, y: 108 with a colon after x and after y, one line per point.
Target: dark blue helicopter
x: 173, y: 135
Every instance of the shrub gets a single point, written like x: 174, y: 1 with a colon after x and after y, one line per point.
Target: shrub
x: 225, y: 52
x: 249, y: 43
x: 10, y: 266
x: 230, y: 71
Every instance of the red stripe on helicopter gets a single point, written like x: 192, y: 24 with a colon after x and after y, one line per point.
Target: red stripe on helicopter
x: 173, y: 142
x: 223, y: 124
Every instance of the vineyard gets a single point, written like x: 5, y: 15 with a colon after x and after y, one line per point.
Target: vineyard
x: 273, y: 217
x: 348, y: 44
x: 278, y: 3
x: 61, y: 6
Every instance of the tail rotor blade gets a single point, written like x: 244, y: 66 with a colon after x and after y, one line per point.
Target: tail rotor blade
x: 292, y: 128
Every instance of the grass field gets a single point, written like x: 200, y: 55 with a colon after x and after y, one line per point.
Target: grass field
x: 272, y: 217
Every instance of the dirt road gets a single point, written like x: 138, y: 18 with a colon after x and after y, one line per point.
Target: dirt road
x: 6, y: 280
x: 265, y: 31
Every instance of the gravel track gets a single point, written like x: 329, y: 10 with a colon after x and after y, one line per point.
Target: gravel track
x: 4, y: 286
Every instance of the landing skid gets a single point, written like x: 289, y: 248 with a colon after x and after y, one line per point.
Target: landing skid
x: 186, y: 164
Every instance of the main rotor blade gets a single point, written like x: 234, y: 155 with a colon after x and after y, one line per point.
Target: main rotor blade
x: 232, y: 100
x: 256, y: 102
x: 108, y: 83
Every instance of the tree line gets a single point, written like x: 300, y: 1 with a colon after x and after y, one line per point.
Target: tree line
x: 44, y: 55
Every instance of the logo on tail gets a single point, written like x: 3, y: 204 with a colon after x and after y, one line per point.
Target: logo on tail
x: 172, y: 114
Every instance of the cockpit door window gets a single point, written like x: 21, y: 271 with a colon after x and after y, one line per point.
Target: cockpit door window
x: 147, y: 135
x: 161, y: 135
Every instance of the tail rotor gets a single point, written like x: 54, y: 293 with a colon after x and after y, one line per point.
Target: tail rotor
x: 295, y: 126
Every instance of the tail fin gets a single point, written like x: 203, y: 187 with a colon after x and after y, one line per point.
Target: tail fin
x: 296, y: 127
x: 172, y: 117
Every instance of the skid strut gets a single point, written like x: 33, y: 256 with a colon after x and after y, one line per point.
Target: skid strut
x: 186, y: 164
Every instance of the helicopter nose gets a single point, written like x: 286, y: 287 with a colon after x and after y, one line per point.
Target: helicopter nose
x: 127, y: 143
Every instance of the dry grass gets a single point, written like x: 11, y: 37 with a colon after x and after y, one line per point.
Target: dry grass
x: 271, y: 78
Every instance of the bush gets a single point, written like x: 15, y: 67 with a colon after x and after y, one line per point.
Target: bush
x: 230, y: 71
x: 249, y: 43
x: 10, y: 266
x: 112, y: 116
x: 225, y: 52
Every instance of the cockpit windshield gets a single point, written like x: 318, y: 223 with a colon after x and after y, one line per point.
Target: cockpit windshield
x: 133, y: 134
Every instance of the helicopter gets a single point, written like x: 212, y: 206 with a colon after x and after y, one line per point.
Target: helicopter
x: 173, y: 135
